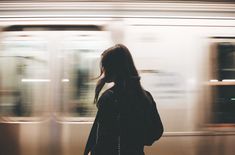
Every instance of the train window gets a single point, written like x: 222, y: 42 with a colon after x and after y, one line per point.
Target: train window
x: 24, y: 75
x: 223, y: 82
x: 79, y: 66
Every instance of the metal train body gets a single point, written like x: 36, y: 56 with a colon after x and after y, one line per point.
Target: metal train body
x: 50, y: 51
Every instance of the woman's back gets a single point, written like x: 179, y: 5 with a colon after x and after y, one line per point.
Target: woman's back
x: 120, y: 117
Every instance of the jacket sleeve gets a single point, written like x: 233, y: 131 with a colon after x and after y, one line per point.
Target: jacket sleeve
x: 91, y: 142
x: 157, y: 119
x: 92, y: 137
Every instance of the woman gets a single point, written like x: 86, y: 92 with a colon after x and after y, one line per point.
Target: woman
x: 118, y: 128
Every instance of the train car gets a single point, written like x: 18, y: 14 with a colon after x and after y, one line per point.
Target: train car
x: 49, y: 57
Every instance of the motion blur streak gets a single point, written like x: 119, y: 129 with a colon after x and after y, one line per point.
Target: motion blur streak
x: 49, y: 58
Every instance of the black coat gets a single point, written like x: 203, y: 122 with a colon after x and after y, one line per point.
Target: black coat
x: 116, y: 129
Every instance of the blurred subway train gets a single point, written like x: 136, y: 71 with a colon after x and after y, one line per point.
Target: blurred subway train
x: 49, y: 57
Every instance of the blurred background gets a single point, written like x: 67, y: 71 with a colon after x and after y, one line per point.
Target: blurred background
x: 50, y: 53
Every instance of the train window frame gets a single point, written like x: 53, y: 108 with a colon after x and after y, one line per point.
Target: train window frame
x: 25, y: 36
x: 215, y: 85
x: 67, y: 115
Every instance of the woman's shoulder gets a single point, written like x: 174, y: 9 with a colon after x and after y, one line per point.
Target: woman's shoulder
x: 151, y: 99
x: 105, y: 97
x: 148, y: 94
x: 107, y: 94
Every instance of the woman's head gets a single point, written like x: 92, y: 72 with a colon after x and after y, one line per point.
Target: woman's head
x: 117, y: 66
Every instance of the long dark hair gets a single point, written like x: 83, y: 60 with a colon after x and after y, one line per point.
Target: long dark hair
x: 117, y: 66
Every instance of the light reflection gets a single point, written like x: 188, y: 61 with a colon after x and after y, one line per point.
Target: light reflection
x: 65, y: 80
x: 35, y: 80
x: 213, y: 80
x: 228, y: 80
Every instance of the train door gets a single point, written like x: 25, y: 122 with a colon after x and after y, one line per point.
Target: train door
x: 46, y: 89
x: 25, y: 90
x: 78, y: 65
